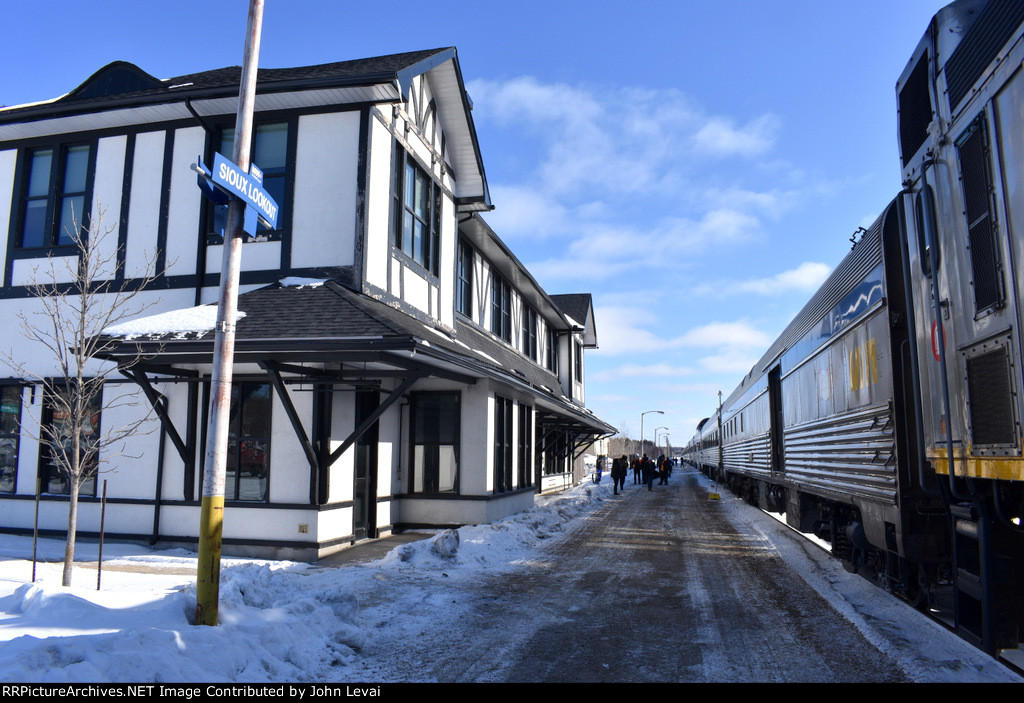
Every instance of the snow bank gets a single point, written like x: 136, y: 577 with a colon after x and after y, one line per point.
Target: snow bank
x: 279, y: 621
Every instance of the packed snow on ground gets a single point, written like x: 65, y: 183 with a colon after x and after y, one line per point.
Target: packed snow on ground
x: 296, y: 622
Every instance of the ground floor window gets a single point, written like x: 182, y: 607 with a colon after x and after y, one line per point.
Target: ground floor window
x: 248, y: 459
x: 502, y: 444
x: 525, y: 444
x: 58, y: 432
x: 10, y: 424
x: 553, y: 448
x: 435, y: 420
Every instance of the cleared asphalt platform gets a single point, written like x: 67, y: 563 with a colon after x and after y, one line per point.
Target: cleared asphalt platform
x: 659, y: 586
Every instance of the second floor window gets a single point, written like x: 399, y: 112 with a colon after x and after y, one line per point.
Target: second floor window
x: 269, y: 151
x: 55, y: 195
x: 550, y: 350
x: 464, y: 281
x: 417, y: 222
x: 530, y: 332
x: 501, y: 308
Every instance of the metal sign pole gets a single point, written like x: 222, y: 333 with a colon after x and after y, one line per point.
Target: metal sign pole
x: 214, y: 468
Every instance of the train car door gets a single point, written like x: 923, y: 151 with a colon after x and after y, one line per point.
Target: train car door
x: 776, y: 418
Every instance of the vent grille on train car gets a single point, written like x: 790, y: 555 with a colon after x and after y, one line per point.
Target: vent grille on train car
x: 989, y: 389
x: 981, y: 236
x: 915, y: 110
x: 994, y: 26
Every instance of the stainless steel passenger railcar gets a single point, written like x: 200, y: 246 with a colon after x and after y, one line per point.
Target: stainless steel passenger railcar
x: 887, y: 417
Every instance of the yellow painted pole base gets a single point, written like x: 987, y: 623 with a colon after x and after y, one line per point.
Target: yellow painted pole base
x: 714, y: 496
x: 208, y: 565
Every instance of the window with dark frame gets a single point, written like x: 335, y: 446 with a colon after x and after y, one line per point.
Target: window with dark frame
x: 10, y: 424
x: 578, y: 370
x: 551, y: 350
x: 464, y: 281
x: 435, y: 429
x: 269, y: 152
x: 417, y: 218
x: 248, y: 458
x: 501, y: 307
x: 525, y: 444
x: 55, y: 195
x: 502, y: 444
x: 554, y: 461
x: 529, y: 332
x: 52, y: 479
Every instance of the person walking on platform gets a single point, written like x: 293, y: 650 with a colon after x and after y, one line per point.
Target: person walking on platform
x: 636, y: 468
x: 620, y: 467
x: 648, y: 470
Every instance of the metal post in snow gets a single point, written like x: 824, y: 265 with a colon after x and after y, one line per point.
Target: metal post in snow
x: 214, y: 467
x: 103, y: 517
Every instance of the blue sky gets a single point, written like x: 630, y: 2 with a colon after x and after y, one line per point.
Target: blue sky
x: 698, y: 167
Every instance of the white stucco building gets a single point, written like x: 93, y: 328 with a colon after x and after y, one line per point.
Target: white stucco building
x: 396, y: 365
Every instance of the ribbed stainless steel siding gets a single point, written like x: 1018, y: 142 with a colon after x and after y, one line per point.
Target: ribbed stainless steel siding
x: 853, y: 454
x: 749, y: 456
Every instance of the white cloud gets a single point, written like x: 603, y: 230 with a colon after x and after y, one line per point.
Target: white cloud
x: 724, y: 334
x: 525, y: 211
x: 639, y: 371
x: 621, y: 141
x: 805, y: 277
x: 616, y: 182
x: 719, y: 136
x: 622, y: 330
x: 730, y: 361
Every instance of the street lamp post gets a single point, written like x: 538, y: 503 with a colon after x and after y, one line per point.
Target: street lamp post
x: 660, y: 412
x: 656, y: 429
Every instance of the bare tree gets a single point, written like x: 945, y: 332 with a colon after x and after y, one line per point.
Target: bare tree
x: 78, y: 297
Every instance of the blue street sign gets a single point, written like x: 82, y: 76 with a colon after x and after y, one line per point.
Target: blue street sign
x: 234, y: 180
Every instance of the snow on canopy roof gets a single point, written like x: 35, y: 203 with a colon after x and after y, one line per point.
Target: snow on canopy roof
x: 177, y: 323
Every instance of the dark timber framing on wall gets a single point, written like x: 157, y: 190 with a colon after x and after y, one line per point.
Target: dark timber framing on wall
x: 315, y: 356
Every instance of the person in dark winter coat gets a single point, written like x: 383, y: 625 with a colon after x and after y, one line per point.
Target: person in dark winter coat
x: 649, y: 471
x: 636, y: 468
x: 620, y: 467
x: 663, y: 464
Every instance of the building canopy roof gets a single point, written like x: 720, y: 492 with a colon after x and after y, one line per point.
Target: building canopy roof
x: 326, y: 324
